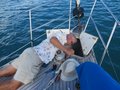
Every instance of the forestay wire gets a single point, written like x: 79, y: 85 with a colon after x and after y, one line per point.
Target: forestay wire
x: 117, y: 22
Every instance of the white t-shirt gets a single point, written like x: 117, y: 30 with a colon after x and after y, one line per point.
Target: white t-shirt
x: 46, y: 50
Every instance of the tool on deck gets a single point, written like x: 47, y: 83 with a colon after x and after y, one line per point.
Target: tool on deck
x: 53, y: 80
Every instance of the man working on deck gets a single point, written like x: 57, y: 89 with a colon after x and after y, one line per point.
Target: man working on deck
x: 27, y: 65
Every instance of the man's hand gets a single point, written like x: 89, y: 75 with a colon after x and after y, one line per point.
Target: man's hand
x: 69, y: 51
x: 66, y: 48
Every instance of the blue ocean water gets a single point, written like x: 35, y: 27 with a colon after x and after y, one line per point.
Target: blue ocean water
x: 14, y: 26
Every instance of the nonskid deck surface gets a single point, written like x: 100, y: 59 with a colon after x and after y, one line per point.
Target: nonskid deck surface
x: 45, y: 75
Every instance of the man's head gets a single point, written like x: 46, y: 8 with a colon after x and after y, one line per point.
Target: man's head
x: 71, y: 39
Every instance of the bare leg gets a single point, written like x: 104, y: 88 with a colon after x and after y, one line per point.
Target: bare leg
x: 10, y: 85
x: 10, y: 70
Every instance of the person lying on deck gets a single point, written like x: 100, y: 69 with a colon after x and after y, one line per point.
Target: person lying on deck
x: 26, y: 66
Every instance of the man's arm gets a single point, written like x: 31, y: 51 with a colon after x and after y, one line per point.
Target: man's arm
x: 57, y: 44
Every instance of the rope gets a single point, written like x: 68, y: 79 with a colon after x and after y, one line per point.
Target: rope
x: 111, y: 35
x: 114, y: 69
x: 110, y: 12
x: 48, y: 22
x: 90, y: 15
x: 104, y: 47
x: 15, y: 52
x: 53, y: 28
x: 40, y: 36
x: 98, y: 32
x: 100, y: 35
x: 19, y: 49
x: 62, y: 23
x: 42, y: 26
x: 73, y: 28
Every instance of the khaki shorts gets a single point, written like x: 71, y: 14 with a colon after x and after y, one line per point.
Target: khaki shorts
x: 27, y: 64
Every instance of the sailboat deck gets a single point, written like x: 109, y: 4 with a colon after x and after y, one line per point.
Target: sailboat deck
x: 43, y: 78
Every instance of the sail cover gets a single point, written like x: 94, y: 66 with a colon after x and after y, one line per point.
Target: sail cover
x: 93, y: 77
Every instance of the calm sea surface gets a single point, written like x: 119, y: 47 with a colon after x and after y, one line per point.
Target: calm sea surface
x: 14, y: 26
